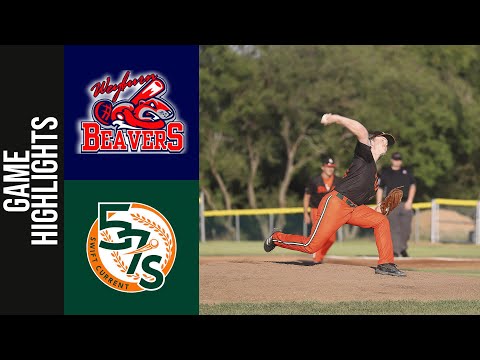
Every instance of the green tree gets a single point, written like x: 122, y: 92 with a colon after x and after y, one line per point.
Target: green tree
x: 260, y: 107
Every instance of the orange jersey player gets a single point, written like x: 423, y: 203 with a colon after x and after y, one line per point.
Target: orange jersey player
x: 315, y: 190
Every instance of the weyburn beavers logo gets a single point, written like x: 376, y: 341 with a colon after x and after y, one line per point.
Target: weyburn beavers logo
x: 131, y: 247
x: 131, y: 116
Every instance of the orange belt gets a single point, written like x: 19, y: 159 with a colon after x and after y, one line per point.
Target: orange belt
x: 347, y: 200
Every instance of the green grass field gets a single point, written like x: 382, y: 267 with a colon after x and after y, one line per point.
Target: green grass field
x: 453, y: 307
x: 345, y: 248
x: 446, y: 271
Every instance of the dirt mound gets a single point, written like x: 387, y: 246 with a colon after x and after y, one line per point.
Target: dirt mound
x: 454, y: 226
x: 290, y: 278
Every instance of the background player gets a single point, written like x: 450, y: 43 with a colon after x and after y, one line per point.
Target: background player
x: 315, y: 190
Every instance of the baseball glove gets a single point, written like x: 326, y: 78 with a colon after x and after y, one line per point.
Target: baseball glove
x: 391, y: 201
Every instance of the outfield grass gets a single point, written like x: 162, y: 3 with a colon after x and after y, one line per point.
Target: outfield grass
x: 345, y: 248
x: 404, y: 307
x: 447, y: 271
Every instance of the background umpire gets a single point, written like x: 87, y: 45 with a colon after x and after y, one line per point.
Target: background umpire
x: 401, y: 217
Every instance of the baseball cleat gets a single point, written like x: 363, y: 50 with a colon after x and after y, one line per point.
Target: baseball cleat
x: 389, y: 269
x: 268, y: 244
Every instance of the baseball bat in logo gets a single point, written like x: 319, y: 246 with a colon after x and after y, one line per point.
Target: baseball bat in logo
x: 131, y: 247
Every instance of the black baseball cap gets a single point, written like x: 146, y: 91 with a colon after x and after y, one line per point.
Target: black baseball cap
x: 396, y: 156
x: 389, y: 137
x: 328, y: 161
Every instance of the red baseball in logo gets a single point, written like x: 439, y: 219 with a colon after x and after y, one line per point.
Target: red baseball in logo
x: 102, y: 112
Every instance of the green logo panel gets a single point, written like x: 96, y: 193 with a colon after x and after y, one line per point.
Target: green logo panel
x: 131, y: 247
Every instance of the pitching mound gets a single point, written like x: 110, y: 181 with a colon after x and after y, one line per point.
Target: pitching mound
x: 292, y: 278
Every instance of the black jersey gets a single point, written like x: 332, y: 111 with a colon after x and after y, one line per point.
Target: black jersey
x: 360, y: 181
x: 317, y: 188
x: 389, y: 179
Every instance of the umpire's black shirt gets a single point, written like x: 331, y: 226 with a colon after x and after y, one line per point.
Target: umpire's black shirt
x: 390, y: 179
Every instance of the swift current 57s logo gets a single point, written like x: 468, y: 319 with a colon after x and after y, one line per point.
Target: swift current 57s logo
x: 132, y: 115
x: 131, y: 247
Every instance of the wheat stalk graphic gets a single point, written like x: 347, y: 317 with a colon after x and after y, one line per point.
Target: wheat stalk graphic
x: 118, y: 259
x: 123, y: 268
x: 121, y: 264
x: 163, y: 234
x: 106, y: 236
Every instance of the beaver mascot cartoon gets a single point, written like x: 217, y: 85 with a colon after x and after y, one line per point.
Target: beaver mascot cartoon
x: 143, y: 110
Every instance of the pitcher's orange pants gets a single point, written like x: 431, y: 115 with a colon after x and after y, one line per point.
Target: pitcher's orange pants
x: 320, y: 254
x: 332, y: 213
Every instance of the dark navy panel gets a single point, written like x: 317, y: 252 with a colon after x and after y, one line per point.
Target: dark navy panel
x: 178, y: 65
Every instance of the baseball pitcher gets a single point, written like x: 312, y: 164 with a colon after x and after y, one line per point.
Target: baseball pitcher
x: 346, y: 203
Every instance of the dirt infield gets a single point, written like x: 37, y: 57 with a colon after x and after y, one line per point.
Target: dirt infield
x: 293, y: 278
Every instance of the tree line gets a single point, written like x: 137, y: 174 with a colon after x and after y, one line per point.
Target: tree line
x: 260, y: 110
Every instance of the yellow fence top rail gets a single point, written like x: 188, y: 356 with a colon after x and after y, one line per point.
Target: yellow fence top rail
x: 278, y: 211
x: 422, y: 205
x: 299, y: 210
x: 267, y: 211
x: 457, y: 202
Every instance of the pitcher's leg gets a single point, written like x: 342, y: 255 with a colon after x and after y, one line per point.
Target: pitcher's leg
x: 291, y: 241
x: 366, y: 217
x: 329, y: 219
